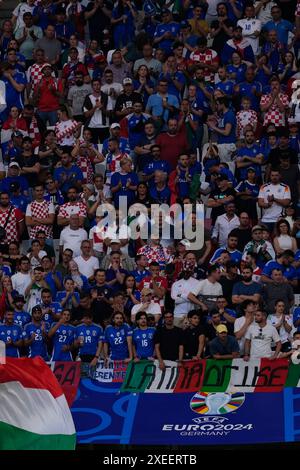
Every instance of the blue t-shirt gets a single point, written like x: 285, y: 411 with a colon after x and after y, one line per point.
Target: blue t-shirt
x: 235, y: 255
x: 13, y: 97
x: 136, y: 128
x: 123, y: 191
x: 296, y: 315
x: 64, y: 30
x: 238, y: 70
x: 13, y: 332
x: 154, y: 165
x: 251, y: 152
x: 123, y: 144
x: 162, y: 28
x: 143, y: 342
x: 117, y: 340
x: 56, y: 198
x: 51, y: 283
x: 73, y: 174
x: 243, y: 185
x: 39, y: 346
x: 245, y: 89
x: 216, y: 346
x: 44, y: 15
x: 110, y: 275
x: 54, y: 307
x: 139, y: 275
x: 62, y: 294
x: 179, y: 76
x: 289, y: 272
x: 227, y: 118
x: 6, y: 182
x: 91, y: 336
x: 20, y: 202
x: 282, y: 28
x: 160, y: 196
x: 242, y: 289
x: 22, y: 318
x: 155, y: 105
x: 64, y: 336
x: 226, y: 87
x: 6, y: 270
x: 239, y: 5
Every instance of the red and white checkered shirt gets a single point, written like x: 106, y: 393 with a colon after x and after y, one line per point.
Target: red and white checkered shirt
x: 70, y: 208
x: 12, y: 231
x: 34, y: 74
x: 86, y: 167
x: 243, y: 119
x: 40, y: 210
x: 273, y: 115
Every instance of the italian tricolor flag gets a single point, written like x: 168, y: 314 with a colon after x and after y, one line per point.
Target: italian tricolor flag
x: 34, y: 414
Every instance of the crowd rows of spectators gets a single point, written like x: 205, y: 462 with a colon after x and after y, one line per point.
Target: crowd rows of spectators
x: 189, y: 102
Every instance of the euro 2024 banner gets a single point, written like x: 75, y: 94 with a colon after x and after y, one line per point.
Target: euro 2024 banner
x: 103, y: 414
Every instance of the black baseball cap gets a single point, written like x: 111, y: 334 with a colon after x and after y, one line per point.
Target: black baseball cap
x: 15, y: 186
x: 37, y: 308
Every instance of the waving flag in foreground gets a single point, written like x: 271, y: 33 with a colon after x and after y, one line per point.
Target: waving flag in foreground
x: 34, y: 413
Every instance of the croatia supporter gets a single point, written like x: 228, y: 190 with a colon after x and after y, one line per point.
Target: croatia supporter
x: 66, y: 128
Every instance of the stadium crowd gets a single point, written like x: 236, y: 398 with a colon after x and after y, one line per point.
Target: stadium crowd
x: 159, y: 102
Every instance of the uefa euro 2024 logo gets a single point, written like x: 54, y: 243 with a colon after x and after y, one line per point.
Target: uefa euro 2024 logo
x: 217, y: 403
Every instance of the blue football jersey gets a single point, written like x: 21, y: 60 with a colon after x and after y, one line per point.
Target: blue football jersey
x: 39, y: 346
x: 13, y: 332
x: 91, y: 335
x: 64, y: 336
x: 22, y: 318
x: 117, y: 340
x: 143, y: 342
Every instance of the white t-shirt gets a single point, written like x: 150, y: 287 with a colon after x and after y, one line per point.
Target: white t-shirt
x: 97, y: 235
x: 261, y: 340
x: 72, y: 239
x: 111, y: 102
x: 264, y: 14
x: 250, y: 26
x: 238, y: 325
x: 283, y: 334
x: 180, y: 291
x: 20, y: 282
x: 19, y: 12
x: 87, y: 267
x: 34, y: 262
x: 209, y: 290
x: 153, y: 309
x: 279, y: 191
x: 97, y: 119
